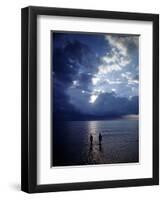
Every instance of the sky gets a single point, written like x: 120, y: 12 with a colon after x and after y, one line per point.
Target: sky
x: 94, y: 76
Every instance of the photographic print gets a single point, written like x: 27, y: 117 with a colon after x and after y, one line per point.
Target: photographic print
x: 95, y: 98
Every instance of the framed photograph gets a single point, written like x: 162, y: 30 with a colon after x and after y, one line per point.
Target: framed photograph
x: 90, y: 99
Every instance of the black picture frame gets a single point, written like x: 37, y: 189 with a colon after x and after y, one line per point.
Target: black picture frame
x: 29, y: 99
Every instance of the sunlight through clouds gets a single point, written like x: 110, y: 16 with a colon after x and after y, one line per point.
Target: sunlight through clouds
x: 93, y: 98
x: 116, y: 62
x: 105, y: 69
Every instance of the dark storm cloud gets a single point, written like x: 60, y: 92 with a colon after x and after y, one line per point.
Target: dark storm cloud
x: 73, y: 66
x: 61, y: 67
x: 74, y: 62
x: 62, y: 108
x: 110, y: 105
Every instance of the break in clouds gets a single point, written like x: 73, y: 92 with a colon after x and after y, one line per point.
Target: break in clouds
x: 95, y: 76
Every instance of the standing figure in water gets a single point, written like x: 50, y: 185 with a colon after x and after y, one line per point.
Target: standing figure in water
x: 91, y: 139
x: 100, y: 138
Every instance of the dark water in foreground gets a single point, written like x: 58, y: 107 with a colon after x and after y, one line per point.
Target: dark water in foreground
x: 71, y: 142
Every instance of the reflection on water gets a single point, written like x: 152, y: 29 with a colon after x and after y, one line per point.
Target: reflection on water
x: 92, y: 127
x: 72, y: 145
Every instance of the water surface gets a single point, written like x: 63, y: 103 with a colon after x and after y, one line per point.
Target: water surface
x: 71, y: 142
